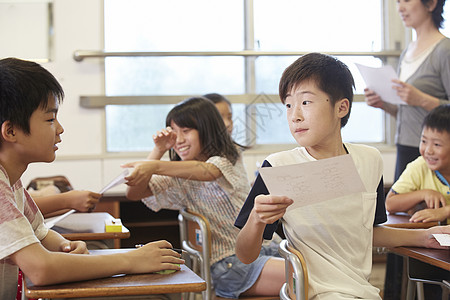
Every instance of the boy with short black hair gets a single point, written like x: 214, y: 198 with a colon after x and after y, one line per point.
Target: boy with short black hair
x: 425, y: 181
x: 335, y: 236
x: 29, y: 100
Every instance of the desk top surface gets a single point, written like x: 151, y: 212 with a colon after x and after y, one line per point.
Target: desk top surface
x: 88, y: 226
x: 436, y: 257
x: 184, y: 280
x: 401, y: 220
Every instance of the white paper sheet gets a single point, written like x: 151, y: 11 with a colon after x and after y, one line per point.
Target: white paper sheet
x: 380, y: 81
x: 50, y: 222
x: 116, y: 181
x: 442, y: 238
x: 313, y: 182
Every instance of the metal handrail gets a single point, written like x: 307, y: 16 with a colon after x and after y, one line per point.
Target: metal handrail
x: 79, y: 55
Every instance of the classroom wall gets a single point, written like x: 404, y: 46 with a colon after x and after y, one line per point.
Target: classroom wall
x: 78, y: 25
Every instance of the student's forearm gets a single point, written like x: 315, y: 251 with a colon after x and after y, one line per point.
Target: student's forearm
x: 191, y: 169
x: 249, y: 242
x: 45, y: 267
x: 155, y: 154
x: 50, y: 204
x: 403, y: 202
x: 138, y: 192
x: 55, y: 213
x: 396, y: 237
x: 53, y: 241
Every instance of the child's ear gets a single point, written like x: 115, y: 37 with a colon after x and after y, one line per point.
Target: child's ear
x: 8, y: 132
x: 342, y: 107
x: 431, y: 5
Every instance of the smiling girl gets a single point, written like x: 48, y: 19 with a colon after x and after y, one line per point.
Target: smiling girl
x: 204, y: 175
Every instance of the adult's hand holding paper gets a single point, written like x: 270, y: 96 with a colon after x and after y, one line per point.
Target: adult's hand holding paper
x: 313, y: 182
x: 380, y: 81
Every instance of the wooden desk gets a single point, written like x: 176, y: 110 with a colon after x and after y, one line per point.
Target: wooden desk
x: 89, y: 226
x: 184, y: 280
x: 401, y: 220
x: 421, y: 268
x: 436, y: 257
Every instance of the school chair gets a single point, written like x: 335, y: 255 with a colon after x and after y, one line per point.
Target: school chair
x: 420, y: 273
x: 195, y: 235
x: 296, y: 285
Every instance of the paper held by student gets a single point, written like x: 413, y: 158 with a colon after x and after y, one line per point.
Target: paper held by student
x: 380, y: 81
x: 313, y: 182
x: 50, y: 222
x: 443, y: 239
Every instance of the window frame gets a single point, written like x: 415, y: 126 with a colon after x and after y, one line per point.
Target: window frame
x: 393, y: 39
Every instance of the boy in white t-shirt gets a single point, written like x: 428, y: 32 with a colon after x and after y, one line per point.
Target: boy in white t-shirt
x: 29, y: 132
x: 335, y: 236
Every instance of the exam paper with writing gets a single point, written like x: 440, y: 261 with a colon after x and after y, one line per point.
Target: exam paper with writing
x: 315, y: 181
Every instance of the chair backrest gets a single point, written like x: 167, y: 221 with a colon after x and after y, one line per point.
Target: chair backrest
x: 61, y: 182
x: 296, y: 286
x: 195, y: 234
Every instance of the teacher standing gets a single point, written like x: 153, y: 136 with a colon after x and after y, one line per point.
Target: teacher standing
x: 424, y: 72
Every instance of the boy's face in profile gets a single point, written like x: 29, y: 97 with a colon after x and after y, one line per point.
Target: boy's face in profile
x: 313, y: 120
x: 435, y: 149
x: 40, y: 144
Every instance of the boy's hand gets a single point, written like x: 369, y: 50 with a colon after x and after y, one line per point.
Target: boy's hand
x: 164, y: 139
x: 430, y: 215
x: 84, y: 201
x: 433, y: 199
x: 155, y: 256
x: 430, y: 241
x: 268, y: 209
x: 74, y: 247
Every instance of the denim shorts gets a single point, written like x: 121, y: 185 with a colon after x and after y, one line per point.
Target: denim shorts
x: 231, y: 277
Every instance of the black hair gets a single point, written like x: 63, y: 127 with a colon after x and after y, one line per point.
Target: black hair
x: 217, y: 98
x: 201, y: 114
x: 330, y: 75
x: 436, y: 14
x: 25, y: 86
x: 438, y: 118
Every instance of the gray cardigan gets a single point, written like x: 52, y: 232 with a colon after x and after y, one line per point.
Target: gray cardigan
x: 432, y: 77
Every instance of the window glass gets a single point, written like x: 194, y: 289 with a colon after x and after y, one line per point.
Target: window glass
x: 364, y: 122
x: 173, y: 25
x: 326, y: 25
x: 446, y: 15
x: 131, y: 127
x: 140, y: 76
x: 205, y: 25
